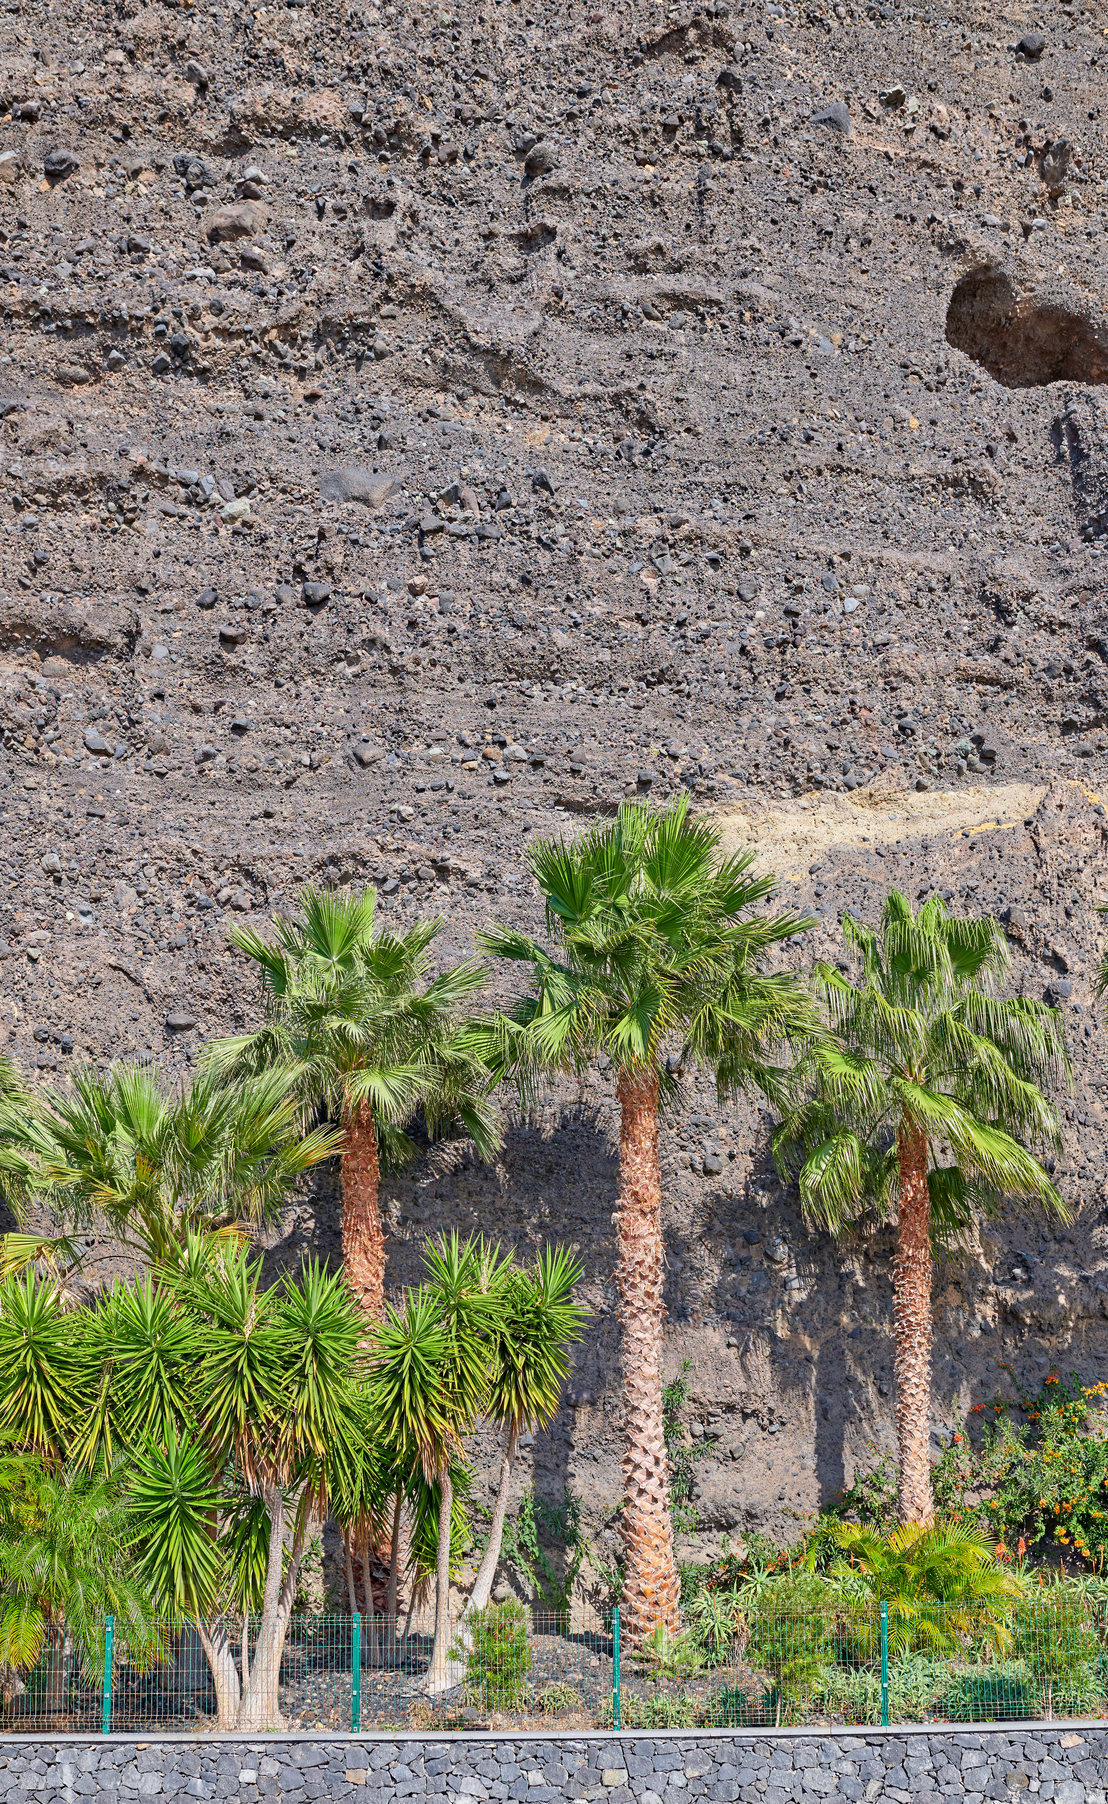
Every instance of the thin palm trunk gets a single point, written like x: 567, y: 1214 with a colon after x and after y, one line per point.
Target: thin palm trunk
x: 482, y: 1589
x: 363, y: 1239
x: 651, y: 1590
x: 392, y: 1606
x: 440, y: 1676
x: 912, y: 1328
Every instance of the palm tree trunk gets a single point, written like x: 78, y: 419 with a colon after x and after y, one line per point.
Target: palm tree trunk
x: 912, y: 1328
x: 363, y: 1239
x: 482, y: 1588
x: 651, y: 1590
x: 441, y: 1677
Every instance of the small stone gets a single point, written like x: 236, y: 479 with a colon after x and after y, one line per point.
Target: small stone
x: 52, y: 864
x: 9, y: 166
x: 244, y: 220
x: 539, y: 160
x: 836, y: 117
x: 57, y: 164
x: 207, y: 598
x: 316, y: 593
x: 357, y: 485
x: 196, y: 73
x: 180, y: 1020
x: 541, y: 482
x: 1031, y: 45
x: 96, y: 743
x: 71, y: 375
x: 896, y: 96
x: 162, y: 363
x: 235, y: 510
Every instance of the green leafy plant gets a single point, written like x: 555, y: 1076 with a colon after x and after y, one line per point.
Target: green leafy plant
x: 683, y: 1457
x: 559, y: 1697
x: 1038, y: 1482
x: 1057, y: 1640
x: 654, y: 1710
x: 670, y: 1656
x: 498, y: 1657
x: 545, y: 1543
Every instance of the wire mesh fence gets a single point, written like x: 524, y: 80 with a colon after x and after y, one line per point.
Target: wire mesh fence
x: 513, y: 1667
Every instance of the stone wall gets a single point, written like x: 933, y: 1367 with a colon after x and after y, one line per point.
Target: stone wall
x: 1066, y: 1763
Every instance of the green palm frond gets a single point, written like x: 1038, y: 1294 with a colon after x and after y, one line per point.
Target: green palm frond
x: 920, y: 1040
x: 658, y: 957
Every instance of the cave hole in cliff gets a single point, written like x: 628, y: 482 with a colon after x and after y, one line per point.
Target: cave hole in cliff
x: 1022, y: 342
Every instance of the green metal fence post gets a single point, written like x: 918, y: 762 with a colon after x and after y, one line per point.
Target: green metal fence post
x: 617, y: 1712
x: 884, y: 1666
x: 356, y: 1671
x: 109, y: 1645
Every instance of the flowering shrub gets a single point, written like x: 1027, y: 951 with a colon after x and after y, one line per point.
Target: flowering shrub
x: 1037, y: 1475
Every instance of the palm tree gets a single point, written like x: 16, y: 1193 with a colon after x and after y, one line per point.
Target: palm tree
x: 920, y: 1103
x: 531, y: 1337
x: 152, y: 1164
x: 67, y: 1559
x: 351, y: 1008
x: 939, y: 1583
x: 656, y: 948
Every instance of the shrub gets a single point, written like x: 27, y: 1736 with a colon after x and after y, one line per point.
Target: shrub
x: 499, y: 1656
x: 657, y: 1710
x: 559, y: 1696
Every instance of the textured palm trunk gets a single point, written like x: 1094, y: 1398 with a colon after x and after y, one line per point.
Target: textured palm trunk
x: 441, y: 1674
x: 651, y: 1590
x: 912, y: 1327
x: 482, y: 1589
x: 363, y: 1239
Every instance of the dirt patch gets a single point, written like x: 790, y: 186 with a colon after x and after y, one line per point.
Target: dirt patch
x: 1021, y: 341
x: 787, y: 838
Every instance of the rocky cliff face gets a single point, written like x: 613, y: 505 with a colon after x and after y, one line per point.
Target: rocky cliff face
x: 423, y: 426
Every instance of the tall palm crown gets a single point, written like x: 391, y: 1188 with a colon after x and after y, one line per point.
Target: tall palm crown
x: 920, y: 1101
x: 155, y: 1164
x: 658, y: 959
x: 373, y: 1040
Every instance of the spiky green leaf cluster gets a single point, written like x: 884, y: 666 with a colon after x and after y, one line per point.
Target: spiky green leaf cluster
x: 353, y: 1010
x: 659, y: 954
x: 919, y: 1042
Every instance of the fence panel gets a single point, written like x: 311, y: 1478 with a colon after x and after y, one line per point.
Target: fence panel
x: 853, y: 1664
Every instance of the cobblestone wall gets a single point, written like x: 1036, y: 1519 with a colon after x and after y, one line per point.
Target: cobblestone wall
x: 1063, y: 1763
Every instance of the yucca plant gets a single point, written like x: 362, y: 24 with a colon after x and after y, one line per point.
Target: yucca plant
x: 430, y: 1362
x: 658, y: 960
x: 922, y: 1100
x: 352, y: 1009
x: 534, y: 1327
